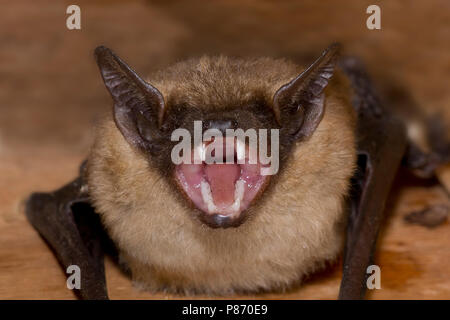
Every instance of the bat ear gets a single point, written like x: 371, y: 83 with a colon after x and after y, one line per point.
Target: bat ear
x: 138, y: 106
x: 299, y: 104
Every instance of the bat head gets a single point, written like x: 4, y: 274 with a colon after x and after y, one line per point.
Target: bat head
x: 219, y: 130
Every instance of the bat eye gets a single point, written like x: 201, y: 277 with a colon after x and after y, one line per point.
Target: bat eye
x: 144, y: 127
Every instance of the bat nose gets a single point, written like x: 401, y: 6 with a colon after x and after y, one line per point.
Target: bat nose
x: 221, y: 125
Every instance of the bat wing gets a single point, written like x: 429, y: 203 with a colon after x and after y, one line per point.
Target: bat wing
x: 65, y: 219
x: 381, y: 146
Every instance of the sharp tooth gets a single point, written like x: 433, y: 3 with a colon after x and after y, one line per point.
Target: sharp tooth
x: 238, y: 195
x: 207, y: 196
x: 239, y: 191
x: 240, y: 151
x: 199, y: 153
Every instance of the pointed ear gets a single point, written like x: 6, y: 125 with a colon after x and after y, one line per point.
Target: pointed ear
x: 138, y: 106
x: 299, y: 104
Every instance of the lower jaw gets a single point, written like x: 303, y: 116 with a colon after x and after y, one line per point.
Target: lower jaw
x: 228, y: 210
x: 216, y: 221
x: 226, y: 217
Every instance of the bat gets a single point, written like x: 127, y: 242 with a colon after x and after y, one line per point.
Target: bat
x: 224, y: 228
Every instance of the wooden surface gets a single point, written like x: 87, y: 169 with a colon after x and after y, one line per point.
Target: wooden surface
x: 51, y: 94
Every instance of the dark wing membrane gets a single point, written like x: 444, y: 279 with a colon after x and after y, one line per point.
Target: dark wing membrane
x: 381, y: 146
x: 67, y: 222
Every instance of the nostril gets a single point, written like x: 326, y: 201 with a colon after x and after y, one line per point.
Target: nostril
x: 221, y: 125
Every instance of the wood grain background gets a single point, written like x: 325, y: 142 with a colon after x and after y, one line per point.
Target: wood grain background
x: 51, y: 95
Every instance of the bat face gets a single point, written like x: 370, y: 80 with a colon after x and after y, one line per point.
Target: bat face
x: 154, y: 197
x: 218, y: 189
x: 227, y: 130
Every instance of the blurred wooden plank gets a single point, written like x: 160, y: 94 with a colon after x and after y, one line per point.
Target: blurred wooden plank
x: 443, y: 174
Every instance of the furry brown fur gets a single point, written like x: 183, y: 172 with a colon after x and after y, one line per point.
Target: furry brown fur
x: 294, y: 228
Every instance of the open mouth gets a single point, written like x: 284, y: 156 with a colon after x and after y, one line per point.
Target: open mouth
x: 222, y: 191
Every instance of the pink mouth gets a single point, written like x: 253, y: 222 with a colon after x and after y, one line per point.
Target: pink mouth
x: 222, y: 189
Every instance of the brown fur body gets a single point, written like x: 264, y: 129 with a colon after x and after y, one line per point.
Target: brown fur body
x: 294, y: 228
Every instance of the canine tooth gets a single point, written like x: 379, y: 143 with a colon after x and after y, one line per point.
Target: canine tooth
x: 207, y: 196
x: 238, y: 195
x: 240, y: 151
x: 239, y: 191
x: 199, y: 153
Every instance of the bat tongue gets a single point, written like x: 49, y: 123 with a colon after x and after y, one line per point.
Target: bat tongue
x: 222, y: 179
